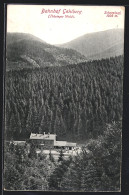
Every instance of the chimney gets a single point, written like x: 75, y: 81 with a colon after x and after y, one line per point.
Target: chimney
x: 44, y: 133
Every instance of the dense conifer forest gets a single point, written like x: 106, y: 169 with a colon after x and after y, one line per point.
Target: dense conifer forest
x: 80, y: 102
x: 72, y: 101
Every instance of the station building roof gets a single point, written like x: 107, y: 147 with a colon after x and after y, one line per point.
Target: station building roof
x: 43, y: 136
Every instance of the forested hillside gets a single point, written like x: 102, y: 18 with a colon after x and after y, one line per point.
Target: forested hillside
x: 72, y: 101
x: 27, y: 51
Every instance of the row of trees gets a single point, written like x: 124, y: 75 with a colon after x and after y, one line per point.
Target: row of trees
x: 72, y: 100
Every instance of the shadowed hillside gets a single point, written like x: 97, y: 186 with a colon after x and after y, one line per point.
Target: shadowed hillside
x: 28, y: 51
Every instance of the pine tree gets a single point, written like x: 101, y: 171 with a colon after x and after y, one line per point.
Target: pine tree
x: 51, y: 157
x: 61, y: 156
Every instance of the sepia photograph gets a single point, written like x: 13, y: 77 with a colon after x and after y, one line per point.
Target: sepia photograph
x: 63, y: 98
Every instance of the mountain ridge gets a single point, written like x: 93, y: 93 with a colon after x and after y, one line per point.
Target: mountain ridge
x: 95, y: 43
x: 27, y: 51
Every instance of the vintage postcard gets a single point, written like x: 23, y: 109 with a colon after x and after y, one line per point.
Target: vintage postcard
x: 63, y: 98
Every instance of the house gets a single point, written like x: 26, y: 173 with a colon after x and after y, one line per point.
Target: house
x: 43, y: 140
x: 48, y: 141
